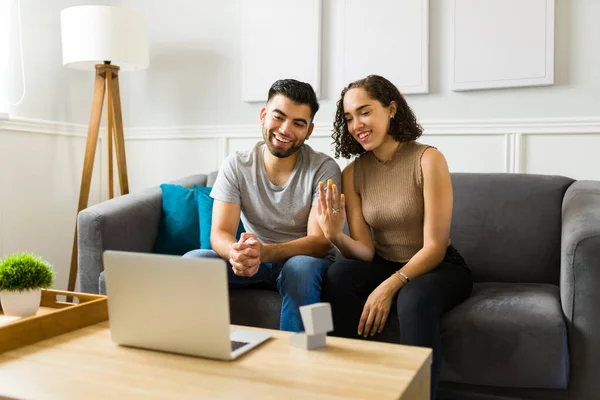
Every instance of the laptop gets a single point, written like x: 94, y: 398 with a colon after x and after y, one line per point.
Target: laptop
x: 173, y: 304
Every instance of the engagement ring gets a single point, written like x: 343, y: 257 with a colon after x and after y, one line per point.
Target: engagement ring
x: 335, y: 210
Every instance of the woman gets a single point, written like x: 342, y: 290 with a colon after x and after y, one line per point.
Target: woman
x: 398, y: 201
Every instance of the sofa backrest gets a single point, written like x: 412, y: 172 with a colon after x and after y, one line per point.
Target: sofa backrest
x: 210, y: 178
x: 508, y: 226
x: 190, y: 181
x: 199, y: 179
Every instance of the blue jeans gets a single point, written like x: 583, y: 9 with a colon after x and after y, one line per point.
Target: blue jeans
x: 298, y: 280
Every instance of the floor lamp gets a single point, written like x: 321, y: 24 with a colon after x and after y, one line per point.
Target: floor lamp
x: 108, y: 40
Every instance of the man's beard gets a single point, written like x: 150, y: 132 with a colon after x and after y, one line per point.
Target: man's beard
x: 278, y: 151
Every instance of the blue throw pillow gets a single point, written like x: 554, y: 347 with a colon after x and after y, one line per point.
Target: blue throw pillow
x: 178, y: 232
x: 205, y: 206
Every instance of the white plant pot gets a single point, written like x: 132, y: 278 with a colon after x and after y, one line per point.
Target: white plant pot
x: 21, y: 304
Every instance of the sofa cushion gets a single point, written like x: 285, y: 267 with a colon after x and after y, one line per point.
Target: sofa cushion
x: 205, y: 207
x: 508, y: 335
x: 255, y: 306
x: 178, y: 231
x: 508, y: 226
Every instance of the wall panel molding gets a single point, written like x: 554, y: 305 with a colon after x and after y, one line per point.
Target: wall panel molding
x: 487, y: 55
x: 402, y: 57
x: 516, y: 136
x: 300, y: 45
x: 39, y: 126
x: 525, y: 126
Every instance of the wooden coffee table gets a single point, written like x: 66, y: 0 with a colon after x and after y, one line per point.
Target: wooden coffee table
x: 87, y: 364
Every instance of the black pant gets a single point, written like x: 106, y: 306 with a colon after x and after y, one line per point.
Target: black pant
x: 420, y: 303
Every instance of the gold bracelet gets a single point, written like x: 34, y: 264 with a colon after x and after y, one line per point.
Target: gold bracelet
x: 399, y: 278
x: 403, y: 275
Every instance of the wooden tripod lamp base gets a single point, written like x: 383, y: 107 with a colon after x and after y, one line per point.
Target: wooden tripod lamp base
x: 92, y: 34
x: 107, y: 81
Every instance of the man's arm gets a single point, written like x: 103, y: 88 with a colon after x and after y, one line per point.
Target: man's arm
x: 225, y: 220
x: 313, y: 244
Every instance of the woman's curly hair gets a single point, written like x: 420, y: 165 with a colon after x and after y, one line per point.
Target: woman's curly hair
x: 403, y: 127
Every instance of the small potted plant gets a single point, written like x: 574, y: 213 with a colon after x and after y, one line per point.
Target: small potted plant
x: 22, y: 276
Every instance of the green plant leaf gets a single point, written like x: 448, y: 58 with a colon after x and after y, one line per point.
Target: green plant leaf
x: 24, y: 271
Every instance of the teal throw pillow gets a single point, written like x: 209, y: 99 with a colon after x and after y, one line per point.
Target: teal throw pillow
x: 178, y: 231
x: 205, y: 206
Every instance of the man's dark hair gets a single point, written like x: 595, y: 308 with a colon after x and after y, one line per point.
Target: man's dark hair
x: 298, y: 92
x: 403, y: 127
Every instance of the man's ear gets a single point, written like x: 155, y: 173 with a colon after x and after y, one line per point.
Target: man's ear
x: 263, y: 115
x: 310, y: 130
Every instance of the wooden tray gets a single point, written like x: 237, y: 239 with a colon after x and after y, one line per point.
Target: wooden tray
x: 52, y: 319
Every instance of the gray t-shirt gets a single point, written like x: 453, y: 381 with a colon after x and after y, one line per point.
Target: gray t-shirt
x: 276, y: 214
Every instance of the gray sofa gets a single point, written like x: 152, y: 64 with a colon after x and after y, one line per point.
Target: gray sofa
x: 531, y: 328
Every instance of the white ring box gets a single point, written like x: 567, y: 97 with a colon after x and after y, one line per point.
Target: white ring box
x: 317, y: 322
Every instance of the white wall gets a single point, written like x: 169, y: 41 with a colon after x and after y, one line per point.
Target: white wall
x: 40, y: 166
x: 53, y: 92
x: 184, y: 113
x: 192, y: 93
x: 577, y: 72
x: 195, y: 67
x: 41, y: 162
x: 4, y: 43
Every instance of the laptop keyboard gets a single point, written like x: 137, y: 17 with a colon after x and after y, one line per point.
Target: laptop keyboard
x: 236, y: 345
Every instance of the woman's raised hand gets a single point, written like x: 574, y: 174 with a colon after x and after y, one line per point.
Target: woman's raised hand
x: 331, y: 210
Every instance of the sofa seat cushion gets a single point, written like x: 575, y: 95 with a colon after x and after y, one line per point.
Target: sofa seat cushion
x: 508, y: 335
x: 255, y: 306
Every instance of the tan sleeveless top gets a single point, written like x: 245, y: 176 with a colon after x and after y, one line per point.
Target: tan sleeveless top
x: 392, y: 200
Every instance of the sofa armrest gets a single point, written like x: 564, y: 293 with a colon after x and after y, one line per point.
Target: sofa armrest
x: 128, y: 223
x: 580, y: 285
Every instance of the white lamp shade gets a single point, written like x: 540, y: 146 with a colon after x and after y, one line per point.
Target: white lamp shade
x: 94, y: 34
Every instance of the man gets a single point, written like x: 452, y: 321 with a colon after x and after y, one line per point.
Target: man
x: 274, y: 187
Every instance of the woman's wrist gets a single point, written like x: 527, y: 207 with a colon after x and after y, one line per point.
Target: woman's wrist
x: 392, y: 285
x: 337, y: 239
x: 396, y: 282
